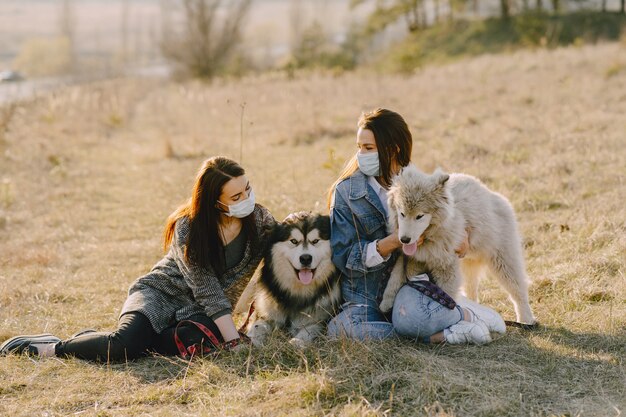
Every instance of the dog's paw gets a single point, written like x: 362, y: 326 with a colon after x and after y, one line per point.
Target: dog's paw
x: 258, y: 333
x: 297, y: 342
x: 386, y: 305
x: 257, y: 342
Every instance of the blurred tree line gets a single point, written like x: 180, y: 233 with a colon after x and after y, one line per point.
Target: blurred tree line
x: 205, y: 40
x: 438, y: 30
x: 416, y: 15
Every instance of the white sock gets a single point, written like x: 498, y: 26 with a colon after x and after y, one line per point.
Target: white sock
x: 45, y: 350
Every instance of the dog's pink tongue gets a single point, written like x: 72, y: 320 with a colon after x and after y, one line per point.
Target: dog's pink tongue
x: 305, y: 276
x: 409, y: 249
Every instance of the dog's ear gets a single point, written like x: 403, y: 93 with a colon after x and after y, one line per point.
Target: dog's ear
x: 400, y: 172
x: 390, y: 198
x: 266, y: 231
x: 274, y: 233
x: 440, y: 178
x: 392, y: 221
x: 322, y: 223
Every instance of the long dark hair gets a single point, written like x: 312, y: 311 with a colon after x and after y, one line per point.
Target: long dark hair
x: 204, y: 247
x: 393, y: 140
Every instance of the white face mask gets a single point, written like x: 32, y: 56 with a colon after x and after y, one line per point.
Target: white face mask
x: 369, y: 163
x: 241, y: 209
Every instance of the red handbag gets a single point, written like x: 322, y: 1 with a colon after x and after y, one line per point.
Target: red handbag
x: 212, y: 342
x: 202, y: 348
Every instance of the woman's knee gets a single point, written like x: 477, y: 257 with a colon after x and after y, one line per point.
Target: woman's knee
x: 408, y: 319
x: 360, y: 322
x: 417, y: 315
x: 341, y: 325
x: 120, y: 349
x: 132, y: 338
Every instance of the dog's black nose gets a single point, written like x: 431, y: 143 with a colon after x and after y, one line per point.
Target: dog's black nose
x: 306, y: 259
x: 405, y: 239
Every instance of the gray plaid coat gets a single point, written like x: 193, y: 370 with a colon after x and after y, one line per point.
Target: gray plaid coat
x: 175, y: 290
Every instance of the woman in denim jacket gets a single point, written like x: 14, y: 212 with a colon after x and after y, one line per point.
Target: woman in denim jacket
x: 365, y: 254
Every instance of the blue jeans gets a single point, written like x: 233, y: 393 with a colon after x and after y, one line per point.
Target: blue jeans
x: 415, y: 316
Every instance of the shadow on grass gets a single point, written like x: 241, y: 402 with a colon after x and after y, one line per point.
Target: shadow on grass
x: 542, y: 372
x: 587, y: 342
x: 550, y: 370
x: 152, y: 368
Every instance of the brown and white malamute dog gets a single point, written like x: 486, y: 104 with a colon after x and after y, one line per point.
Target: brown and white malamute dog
x: 298, y: 288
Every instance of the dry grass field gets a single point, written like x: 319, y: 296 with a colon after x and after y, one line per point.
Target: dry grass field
x: 89, y: 174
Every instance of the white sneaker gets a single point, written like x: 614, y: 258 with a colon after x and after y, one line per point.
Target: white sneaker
x: 466, y: 332
x: 489, y: 316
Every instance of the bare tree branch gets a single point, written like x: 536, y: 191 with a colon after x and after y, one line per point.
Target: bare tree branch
x: 211, y: 32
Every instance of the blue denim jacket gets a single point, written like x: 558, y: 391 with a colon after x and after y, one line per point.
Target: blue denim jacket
x: 357, y: 217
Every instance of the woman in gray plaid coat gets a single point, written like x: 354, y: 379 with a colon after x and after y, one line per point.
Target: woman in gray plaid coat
x: 214, y: 244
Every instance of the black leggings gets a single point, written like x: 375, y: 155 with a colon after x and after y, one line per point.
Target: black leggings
x: 133, y: 338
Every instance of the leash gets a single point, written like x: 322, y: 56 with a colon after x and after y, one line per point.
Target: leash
x: 522, y: 326
x: 199, y: 348
x: 190, y: 351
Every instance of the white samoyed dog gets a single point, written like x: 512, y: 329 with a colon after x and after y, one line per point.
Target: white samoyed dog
x: 440, y: 208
